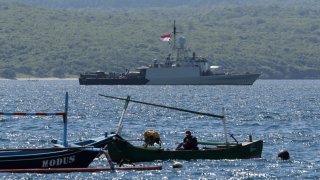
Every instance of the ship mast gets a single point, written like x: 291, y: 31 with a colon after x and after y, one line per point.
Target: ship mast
x: 174, y: 35
x: 175, y: 48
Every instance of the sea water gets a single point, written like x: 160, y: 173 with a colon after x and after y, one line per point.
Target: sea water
x: 285, y: 114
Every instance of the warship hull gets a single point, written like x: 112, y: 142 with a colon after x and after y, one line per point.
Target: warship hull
x: 107, y: 81
x: 218, y: 79
x: 233, y: 79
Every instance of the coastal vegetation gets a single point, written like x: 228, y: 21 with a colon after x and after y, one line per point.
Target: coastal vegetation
x: 281, y: 41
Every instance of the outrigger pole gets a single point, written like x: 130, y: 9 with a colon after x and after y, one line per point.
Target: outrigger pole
x: 224, y: 126
x: 69, y: 170
x: 65, y: 121
x: 63, y: 114
x: 120, y: 126
x: 168, y: 107
x: 223, y: 117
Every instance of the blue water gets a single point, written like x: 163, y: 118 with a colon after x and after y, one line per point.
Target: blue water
x: 283, y: 113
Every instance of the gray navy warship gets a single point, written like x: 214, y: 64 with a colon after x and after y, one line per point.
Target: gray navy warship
x: 179, y: 69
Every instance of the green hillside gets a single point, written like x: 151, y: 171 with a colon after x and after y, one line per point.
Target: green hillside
x: 102, y: 4
x: 280, y: 42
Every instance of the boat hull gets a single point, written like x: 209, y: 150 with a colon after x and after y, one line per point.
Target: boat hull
x: 223, y: 79
x: 46, y: 158
x: 120, y: 150
x: 108, y: 81
x: 218, y: 79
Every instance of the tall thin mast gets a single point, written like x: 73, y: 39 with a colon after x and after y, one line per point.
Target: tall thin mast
x: 175, y: 48
x: 174, y: 34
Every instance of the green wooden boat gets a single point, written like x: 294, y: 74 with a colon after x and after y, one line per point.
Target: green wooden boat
x: 120, y: 150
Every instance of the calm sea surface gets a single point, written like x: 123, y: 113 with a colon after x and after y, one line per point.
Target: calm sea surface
x: 285, y: 114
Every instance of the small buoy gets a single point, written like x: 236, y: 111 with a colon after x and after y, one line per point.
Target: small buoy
x: 284, y: 155
x: 176, y: 165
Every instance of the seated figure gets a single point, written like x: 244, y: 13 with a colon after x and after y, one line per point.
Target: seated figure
x: 189, y: 143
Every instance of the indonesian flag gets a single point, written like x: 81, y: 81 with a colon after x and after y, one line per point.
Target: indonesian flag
x: 165, y: 37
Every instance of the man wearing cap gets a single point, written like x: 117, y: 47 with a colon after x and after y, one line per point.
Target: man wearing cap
x: 189, y: 142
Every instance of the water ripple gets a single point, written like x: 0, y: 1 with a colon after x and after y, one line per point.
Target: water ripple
x: 285, y: 114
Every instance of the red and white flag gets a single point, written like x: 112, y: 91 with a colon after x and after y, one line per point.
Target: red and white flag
x: 165, y: 37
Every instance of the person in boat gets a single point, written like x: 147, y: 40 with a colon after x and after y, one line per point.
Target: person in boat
x: 189, y: 142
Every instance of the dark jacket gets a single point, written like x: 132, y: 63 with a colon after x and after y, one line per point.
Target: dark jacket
x: 190, y: 143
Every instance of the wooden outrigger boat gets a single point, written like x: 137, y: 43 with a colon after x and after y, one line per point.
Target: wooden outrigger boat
x: 55, y: 157
x: 121, y: 150
x: 62, y: 158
